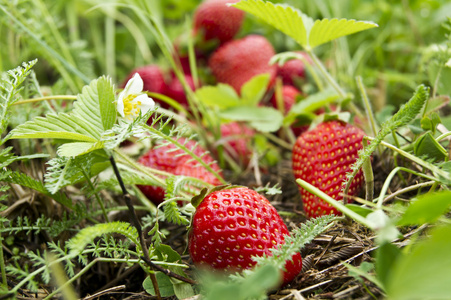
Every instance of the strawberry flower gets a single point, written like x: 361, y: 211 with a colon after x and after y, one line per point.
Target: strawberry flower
x: 132, y: 100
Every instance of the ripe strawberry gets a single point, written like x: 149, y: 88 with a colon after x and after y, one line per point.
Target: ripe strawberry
x: 322, y: 157
x: 165, y: 158
x: 152, y: 77
x: 176, y: 91
x: 237, y: 61
x: 289, y: 94
x: 236, y: 139
x: 232, y: 225
x: 293, y: 70
x: 216, y: 20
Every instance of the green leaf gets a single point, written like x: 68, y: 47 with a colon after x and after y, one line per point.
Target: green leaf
x: 362, y: 271
x: 196, y: 200
x: 264, y: 119
x: 425, y: 272
x: 386, y: 255
x: 106, y: 102
x: 285, y: 18
x: 310, y: 105
x: 426, y: 145
x: 83, y: 124
x: 361, y: 210
x: 78, y: 148
x: 426, y: 209
x: 326, y: 30
x: 253, y: 286
x: 300, y: 27
x: 61, y: 126
x: 164, y: 285
x: 221, y: 96
x: 254, y: 89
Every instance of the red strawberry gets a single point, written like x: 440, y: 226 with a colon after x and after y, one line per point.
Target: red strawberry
x: 293, y: 70
x: 236, y: 139
x: 152, y: 77
x: 232, y: 225
x: 322, y: 157
x: 237, y: 61
x: 167, y: 159
x: 176, y: 91
x: 289, y: 94
x: 217, y: 20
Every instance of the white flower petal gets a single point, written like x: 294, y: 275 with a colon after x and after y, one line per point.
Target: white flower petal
x: 134, y: 85
x: 147, y: 103
x: 120, y: 105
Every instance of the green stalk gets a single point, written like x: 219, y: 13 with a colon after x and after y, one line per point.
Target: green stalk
x: 102, y: 206
x: 390, y: 176
x: 368, y: 175
x: 367, y: 105
x: 2, y: 261
x: 419, y: 161
x: 38, y: 99
x: 110, y: 53
x: 336, y: 204
x: 326, y: 74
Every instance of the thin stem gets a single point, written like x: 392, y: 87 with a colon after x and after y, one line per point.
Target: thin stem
x: 338, y: 205
x: 390, y: 176
x: 137, y: 225
x: 409, y: 189
x: 421, y: 162
x: 367, y: 105
x: 2, y: 261
x: 442, y: 136
x: 96, y: 195
x: 59, y: 97
x: 326, y: 74
x: 368, y: 175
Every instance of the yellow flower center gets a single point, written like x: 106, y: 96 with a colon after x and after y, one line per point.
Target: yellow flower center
x: 131, y: 108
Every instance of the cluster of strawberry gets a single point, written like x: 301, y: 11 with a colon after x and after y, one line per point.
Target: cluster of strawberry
x: 232, y: 225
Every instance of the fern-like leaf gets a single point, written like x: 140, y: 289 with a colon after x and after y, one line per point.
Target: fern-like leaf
x: 9, y: 89
x: 25, y: 180
x: 63, y: 171
x: 78, y: 243
x: 406, y: 113
x: 295, y: 241
x: 172, y: 214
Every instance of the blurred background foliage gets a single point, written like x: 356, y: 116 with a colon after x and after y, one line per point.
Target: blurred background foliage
x: 78, y: 40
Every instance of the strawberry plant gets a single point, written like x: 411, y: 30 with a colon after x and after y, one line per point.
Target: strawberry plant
x: 221, y: 149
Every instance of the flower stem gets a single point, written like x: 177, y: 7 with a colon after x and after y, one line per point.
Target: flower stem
x: 336, y: 204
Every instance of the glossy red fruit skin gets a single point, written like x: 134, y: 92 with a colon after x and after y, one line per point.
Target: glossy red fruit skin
x: 216, y: 20
x: 292, y: 70
x: 152, y: 76
x: 322, y: 157
x: 237, y: 140
x: 230, y: 226
x: 289, y: 94
x: 237, y: 61
x: 159, y: 158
